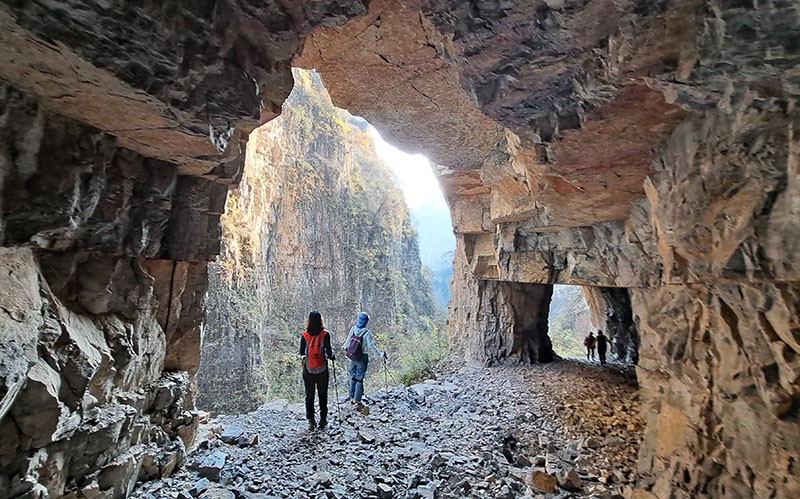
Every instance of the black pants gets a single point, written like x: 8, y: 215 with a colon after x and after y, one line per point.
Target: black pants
x: 320, y: 382
x: 602, y: 353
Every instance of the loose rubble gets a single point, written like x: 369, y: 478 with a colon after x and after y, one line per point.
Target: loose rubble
x: 565, y: 429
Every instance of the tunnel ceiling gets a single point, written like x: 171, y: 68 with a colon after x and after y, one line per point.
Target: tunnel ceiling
x: 546, y: 110
x: 546, y: 113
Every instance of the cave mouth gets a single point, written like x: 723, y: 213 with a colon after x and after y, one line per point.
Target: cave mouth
x: 430, y: 213
x: 569, y: 321
x: 328, y: 216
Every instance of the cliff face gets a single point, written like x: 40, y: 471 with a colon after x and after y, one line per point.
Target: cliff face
x: 317, y: 223
x: 648, y: 149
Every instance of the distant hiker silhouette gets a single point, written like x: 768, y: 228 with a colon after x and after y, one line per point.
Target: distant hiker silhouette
x: 358, y: 341
x: 588, y: 342
x: 315, y: 349
x: 602, y: 346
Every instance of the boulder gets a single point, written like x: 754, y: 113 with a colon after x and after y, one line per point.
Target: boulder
x: 543, y: 482
x: 211, y: 466
x: 569, y: 480
x: 231, y: 434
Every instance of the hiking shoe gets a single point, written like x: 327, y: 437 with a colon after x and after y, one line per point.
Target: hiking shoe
x: 323, y: 423
x: 312, y: 425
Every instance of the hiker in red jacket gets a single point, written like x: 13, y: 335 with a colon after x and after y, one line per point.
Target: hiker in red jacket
x: 315, y: 349
x: 588, y: 342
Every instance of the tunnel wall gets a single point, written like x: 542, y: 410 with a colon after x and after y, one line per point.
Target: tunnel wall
x: 497, y: 322
x: 718, y: 372
x: 122, y: 127
x: 709, y: 262
x: 99, y: 338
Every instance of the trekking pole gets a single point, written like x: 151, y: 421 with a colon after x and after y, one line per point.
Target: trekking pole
x: 386, y: 378
x: 336, y: 392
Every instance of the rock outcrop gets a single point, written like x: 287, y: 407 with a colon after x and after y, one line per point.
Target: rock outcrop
x: 646, y: 151
x: 649, y: 147
x: 317, y: 223
x: 122, y: 129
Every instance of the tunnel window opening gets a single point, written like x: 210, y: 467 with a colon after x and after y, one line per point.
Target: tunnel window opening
x: 569, y: 321
x: 327, y: 217
x: 430, y: 214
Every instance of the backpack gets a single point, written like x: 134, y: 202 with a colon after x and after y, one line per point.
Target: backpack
x: 315, y: 356
x: 355, y: 349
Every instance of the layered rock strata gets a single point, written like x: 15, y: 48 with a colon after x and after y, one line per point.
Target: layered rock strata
x: 122, y: 128
x: 647, y: 150
x: 101, y: 326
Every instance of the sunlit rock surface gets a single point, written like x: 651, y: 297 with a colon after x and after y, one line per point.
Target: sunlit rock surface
x: 317, y: 223
x: 645, y: 146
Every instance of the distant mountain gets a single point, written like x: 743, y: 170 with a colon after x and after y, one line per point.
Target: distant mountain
x: 440, y: 282
x: 435, y: 235
x: 436, y: 245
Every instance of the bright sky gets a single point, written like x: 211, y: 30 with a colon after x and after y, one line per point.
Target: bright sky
x: 417, y: 180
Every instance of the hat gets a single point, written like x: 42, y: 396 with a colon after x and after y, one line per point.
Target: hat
x: 363, y: 318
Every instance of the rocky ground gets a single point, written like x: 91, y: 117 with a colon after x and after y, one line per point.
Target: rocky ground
x: 566, y: 429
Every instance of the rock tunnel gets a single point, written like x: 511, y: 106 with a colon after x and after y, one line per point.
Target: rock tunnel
x: 644, y: 150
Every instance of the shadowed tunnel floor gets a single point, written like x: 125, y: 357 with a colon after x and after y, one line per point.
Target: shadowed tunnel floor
x: 510, y: 431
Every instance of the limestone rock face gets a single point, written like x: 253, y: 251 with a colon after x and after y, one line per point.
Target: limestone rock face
x: 498, y: 321
x: 180, y: 74
x: 644, y: 147
x: 84, y: 397
x: 317, y: 223
x: 122, y: 127
x: 720, y: 371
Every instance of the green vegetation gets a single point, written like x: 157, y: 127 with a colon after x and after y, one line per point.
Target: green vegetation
x: 414, y: 354
x: 569, y: 321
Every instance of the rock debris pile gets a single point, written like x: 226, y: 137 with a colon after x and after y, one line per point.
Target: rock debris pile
x: 566, y: 429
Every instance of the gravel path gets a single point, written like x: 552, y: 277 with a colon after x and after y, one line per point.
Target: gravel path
x: 565, y: 429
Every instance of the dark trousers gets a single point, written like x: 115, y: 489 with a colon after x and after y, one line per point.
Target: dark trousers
x: 602, y: 353
x: 320, y: 383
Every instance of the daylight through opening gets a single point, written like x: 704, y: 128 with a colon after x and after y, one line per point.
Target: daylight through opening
x: 329, y: 217
x: 569, y: 321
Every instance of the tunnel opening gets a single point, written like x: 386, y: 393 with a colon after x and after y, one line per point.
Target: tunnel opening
x: 569, y: 321
x: 611, y: 311
x: 330, y: 217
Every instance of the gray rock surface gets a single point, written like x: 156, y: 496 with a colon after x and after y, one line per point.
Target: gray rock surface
x: 452, y: 444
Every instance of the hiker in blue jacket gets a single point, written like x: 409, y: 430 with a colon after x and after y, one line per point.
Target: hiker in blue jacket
x: 358, y: 341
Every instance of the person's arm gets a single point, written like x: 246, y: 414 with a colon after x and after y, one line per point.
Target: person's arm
x: 371, y: 344
x: 347, y: 339
x: 303, y: 346
x: 326, y: 344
